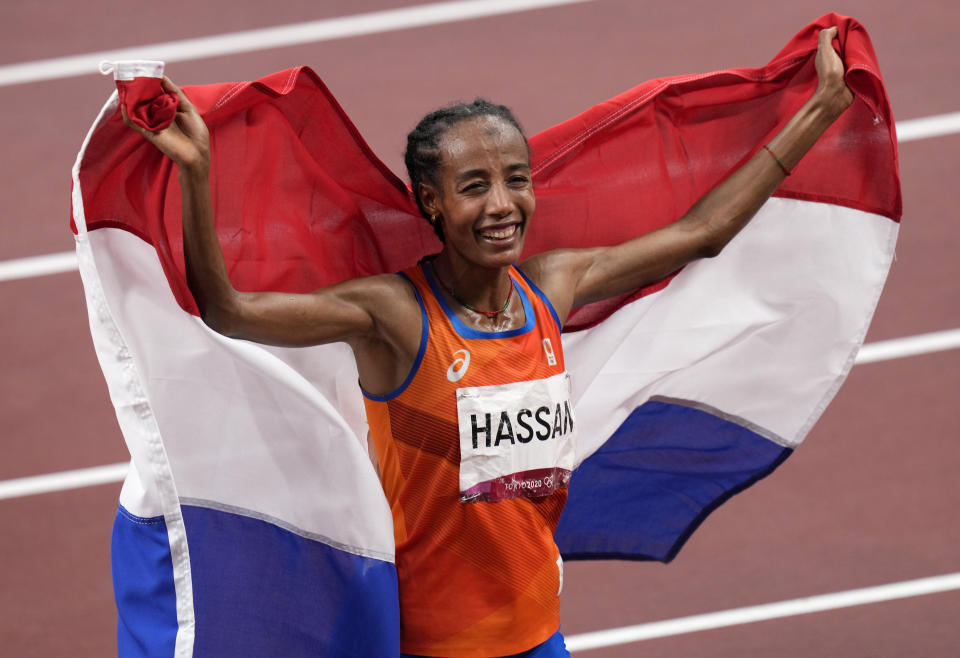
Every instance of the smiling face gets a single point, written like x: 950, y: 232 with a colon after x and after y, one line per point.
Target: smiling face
x: 484, y: 194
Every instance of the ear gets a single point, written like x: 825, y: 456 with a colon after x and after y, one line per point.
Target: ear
x: 430, y: 198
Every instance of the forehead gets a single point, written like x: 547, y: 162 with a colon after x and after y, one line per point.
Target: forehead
x: 483, y: 142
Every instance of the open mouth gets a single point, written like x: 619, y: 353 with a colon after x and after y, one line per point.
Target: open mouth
x: 500, y: 234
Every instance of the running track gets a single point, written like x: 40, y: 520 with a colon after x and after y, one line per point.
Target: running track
x: 870, y: 499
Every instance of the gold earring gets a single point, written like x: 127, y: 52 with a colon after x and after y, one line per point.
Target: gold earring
x: 433, y: 219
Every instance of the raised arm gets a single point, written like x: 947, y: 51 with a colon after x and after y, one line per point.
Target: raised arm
x: 378, y: 316
x: 572, y: 277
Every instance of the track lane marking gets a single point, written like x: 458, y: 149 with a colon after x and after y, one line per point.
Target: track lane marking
x: 747, y: 615
x: 279, y: 36
x: 897, y: 348
x: 31, y: 266
x: 884, y: 350
x: 63, y: 480
x: 932, y: 126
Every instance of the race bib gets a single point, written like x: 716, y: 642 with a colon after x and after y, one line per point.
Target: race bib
x: 515, y: 439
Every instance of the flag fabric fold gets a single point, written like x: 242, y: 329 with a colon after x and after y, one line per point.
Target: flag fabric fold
x: 252, y: 521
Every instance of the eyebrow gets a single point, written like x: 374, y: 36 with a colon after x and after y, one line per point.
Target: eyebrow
x: 471, y: 173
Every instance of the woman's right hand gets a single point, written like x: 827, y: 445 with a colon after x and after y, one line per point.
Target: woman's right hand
x: 832, y: 90
x: 186, y: 141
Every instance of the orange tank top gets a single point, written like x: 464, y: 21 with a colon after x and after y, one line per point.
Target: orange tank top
x: 475, y: 449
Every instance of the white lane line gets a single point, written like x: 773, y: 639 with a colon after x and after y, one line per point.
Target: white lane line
x: 25, y: 268
x: 897, y: 348
x: 932, y: 126
x: 279, y: 36
x: 736, y: 616
x: 83, y: 477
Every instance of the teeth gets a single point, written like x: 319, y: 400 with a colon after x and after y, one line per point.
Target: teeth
x: 500, y: 235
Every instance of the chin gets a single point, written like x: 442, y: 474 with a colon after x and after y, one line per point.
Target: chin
x: 502, y: 255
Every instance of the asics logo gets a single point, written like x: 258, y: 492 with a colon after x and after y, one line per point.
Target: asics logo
x: 459, y: 366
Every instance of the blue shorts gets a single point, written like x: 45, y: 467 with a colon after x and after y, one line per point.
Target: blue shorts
x: 552, y: 648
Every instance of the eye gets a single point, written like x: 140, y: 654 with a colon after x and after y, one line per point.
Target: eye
x: 518, y: 181
x: 474, y: 187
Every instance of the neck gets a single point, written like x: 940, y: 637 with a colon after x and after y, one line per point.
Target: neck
x: 481, y: 290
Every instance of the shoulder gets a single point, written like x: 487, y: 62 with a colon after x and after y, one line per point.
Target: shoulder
x: 387, y: 302
x: 377, y: 290
x: 394, y: 298
x: 556, y: 274
x: 395, y: 311
x: 553, y: 265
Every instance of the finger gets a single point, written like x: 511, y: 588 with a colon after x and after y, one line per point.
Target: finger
x: 168, y: 85
x: 129, y: 123
x: 827, y: 35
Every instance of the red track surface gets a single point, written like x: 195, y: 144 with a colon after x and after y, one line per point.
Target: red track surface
x: 871, y: 497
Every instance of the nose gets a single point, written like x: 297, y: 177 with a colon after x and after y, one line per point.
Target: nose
x: 499, y: 201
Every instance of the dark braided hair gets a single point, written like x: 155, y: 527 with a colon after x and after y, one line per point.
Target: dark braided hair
x: 422, y: 156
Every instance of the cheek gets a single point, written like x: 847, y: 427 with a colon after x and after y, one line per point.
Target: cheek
x: 530, y: 204
x: 457, y: 222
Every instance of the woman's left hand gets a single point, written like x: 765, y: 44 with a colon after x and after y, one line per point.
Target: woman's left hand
x: 832, y: 90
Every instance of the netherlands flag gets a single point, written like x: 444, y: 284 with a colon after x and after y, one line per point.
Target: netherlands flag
x: 252, y: 522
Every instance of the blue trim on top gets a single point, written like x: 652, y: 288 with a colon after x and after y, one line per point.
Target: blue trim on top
x: 542, y: 296
x: 468, y: 332
x: 424, y: 332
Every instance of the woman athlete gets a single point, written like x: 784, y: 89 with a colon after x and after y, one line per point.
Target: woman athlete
x: 479, y: 574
